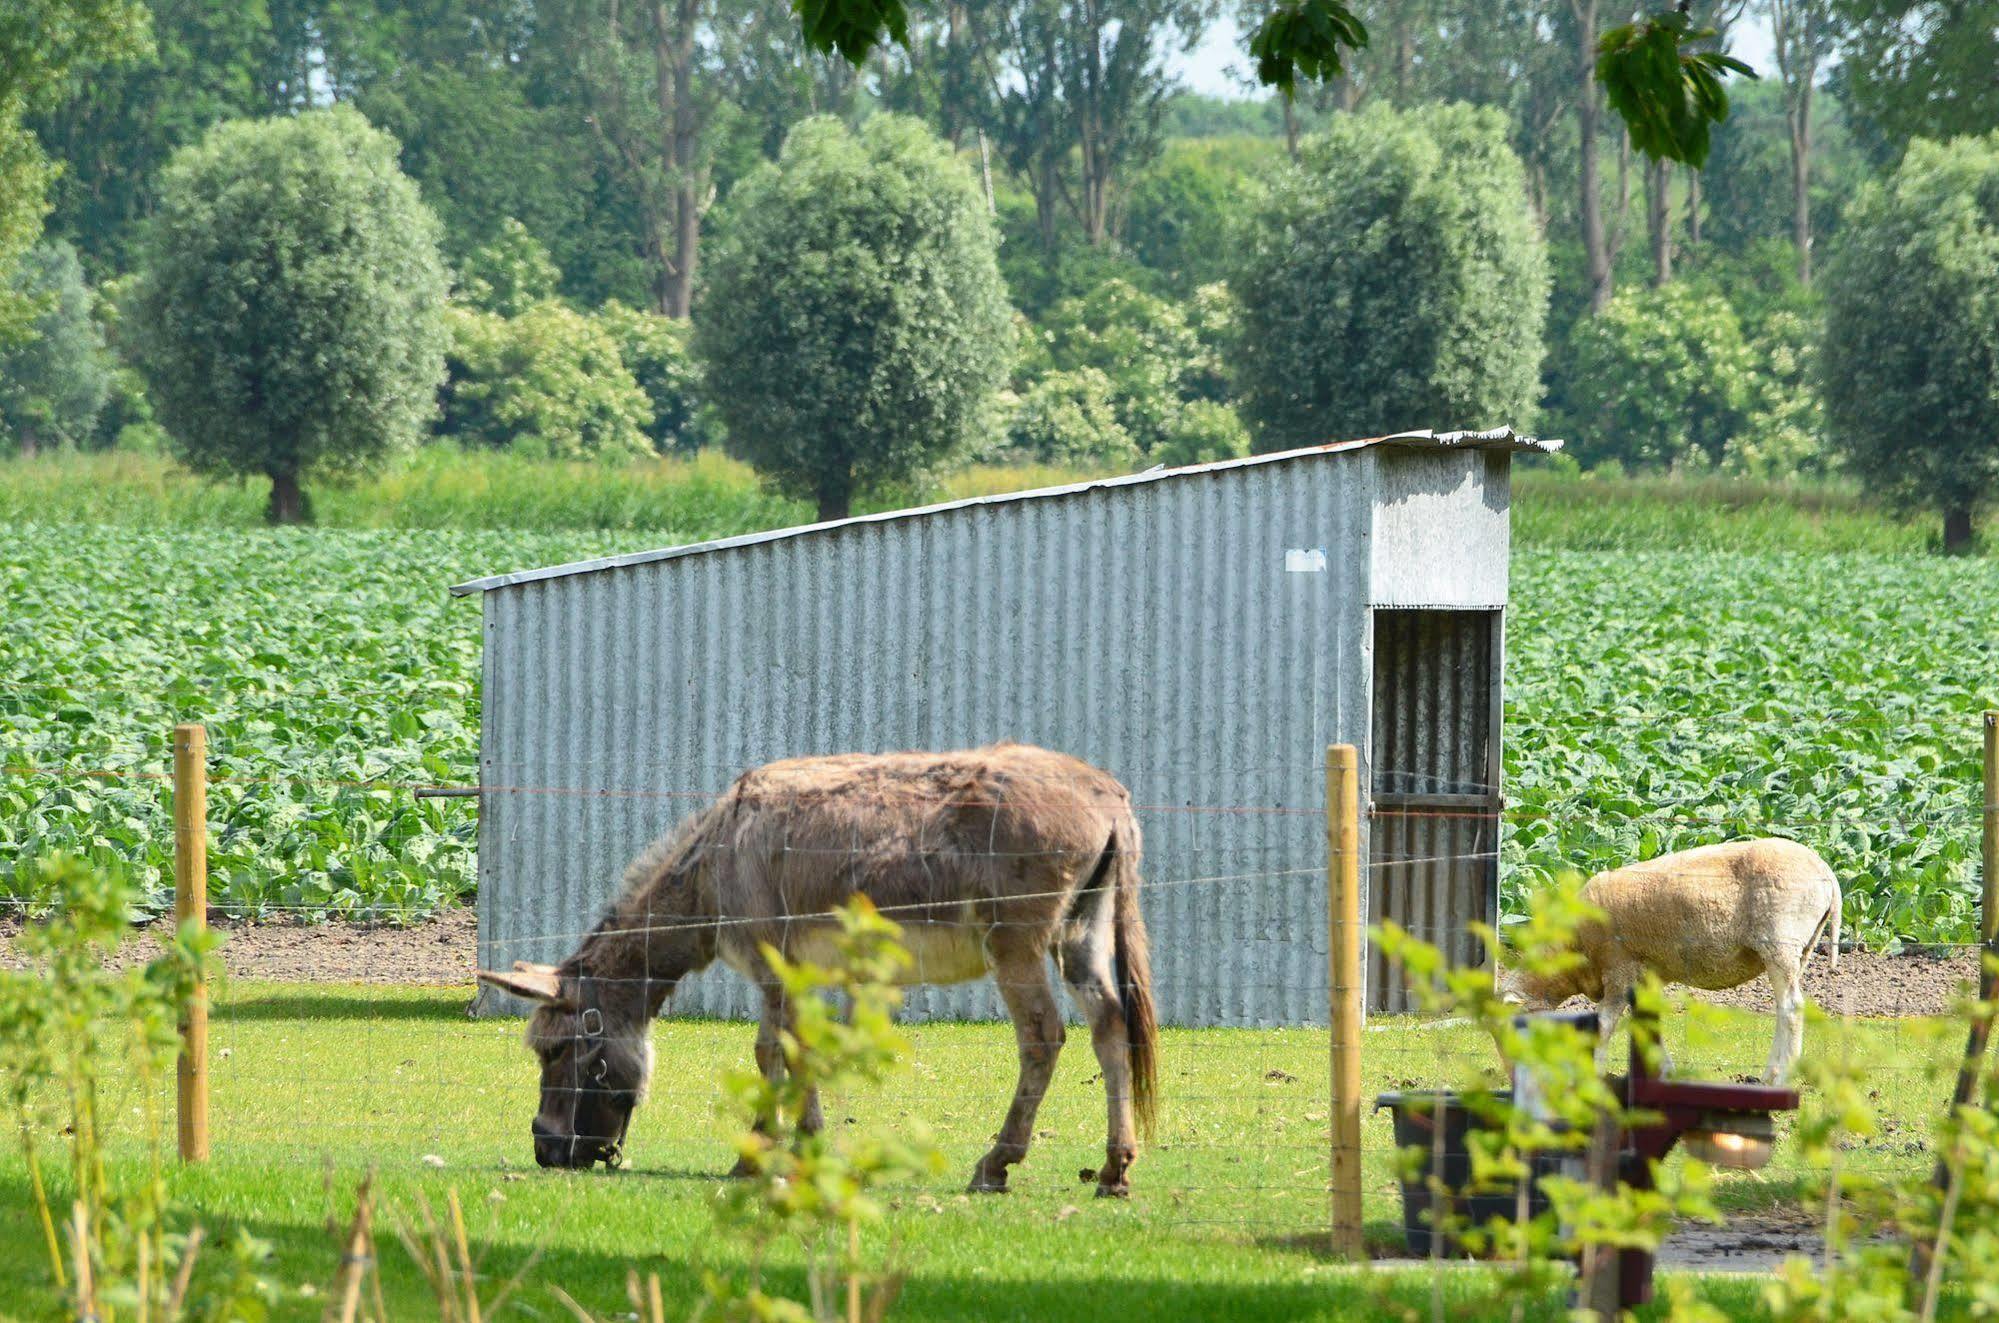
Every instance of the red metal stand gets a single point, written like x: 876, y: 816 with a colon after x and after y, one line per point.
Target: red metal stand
x: 1678, y: 1107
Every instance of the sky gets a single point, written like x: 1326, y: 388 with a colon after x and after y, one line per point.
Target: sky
x: 1219, y: 65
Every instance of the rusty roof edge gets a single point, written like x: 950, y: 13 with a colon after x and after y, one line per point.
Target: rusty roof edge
x: 1498, y: 438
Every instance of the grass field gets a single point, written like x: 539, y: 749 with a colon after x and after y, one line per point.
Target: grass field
x: 314, y: 1085
x: 708, y: 496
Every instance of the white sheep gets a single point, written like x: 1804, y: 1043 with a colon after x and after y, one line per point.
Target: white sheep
x: 1713, y: 917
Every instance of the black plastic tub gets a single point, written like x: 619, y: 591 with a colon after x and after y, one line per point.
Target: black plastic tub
x: 1416, y: 1117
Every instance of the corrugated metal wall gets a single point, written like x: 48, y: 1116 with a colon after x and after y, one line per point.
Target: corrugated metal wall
x: 1435, y: 784
x: 1151, y: 629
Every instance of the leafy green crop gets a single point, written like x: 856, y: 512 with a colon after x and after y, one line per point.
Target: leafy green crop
x: 317, y: 660
x: 1656, y: 700
x: 1662, y: 700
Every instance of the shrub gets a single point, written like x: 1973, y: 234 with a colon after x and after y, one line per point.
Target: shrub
x: 1203, y: 432
x: 1910, y: 364
x: 508, y: 274
x: 1141, y: 345
x: 1071, y: 418
x: 1212, y: 314
x: 656, y: 351
x: 1393, y: 279
x: 1661, y: 378
x: 291, y: 307
x: 853, y: 304
x: 53, y: 383
x: 549, y: 382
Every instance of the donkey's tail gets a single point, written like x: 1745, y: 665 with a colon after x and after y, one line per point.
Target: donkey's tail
x: 1133, y: 954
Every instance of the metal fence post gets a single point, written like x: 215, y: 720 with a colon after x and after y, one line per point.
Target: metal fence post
x: 1343, y: 915
x: 191, y: 906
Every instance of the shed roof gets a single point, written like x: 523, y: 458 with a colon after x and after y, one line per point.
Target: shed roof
x: 1500, y: 438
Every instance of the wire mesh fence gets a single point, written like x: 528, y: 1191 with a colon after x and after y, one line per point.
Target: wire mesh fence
x: 349, y: 1042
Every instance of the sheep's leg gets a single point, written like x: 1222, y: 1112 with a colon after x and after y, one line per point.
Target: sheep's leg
x: 1609, y: 1011
x: 1788, y: 991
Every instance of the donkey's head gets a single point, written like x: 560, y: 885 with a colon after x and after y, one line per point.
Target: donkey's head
x: 596, y: 1058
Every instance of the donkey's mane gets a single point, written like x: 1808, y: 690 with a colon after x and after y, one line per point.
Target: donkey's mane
x: 664, y: 867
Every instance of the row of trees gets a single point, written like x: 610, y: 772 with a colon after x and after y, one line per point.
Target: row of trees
x: 292, y: 317
x: 580, y: 160
x: 612, y: 132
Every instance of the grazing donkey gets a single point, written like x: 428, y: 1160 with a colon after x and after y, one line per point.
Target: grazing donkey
x: 990, y: 860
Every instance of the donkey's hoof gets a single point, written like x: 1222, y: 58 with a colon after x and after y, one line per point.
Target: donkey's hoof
x: 984, y: 1183
x: 742, y: 1171
x: 1121, y: 1190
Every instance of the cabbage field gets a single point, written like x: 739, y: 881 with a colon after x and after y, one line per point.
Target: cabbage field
x: 1656, y: 699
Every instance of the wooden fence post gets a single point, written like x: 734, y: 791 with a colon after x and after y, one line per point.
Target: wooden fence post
x: 191, y: 905
x: 1343, y: 915
x: 1968, y: 1070
x: 1988, y: 918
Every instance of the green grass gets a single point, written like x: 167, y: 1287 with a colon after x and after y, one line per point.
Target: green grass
x: 1553, y: 509
x: 712, y: 496
x: 313, y: 1085
x: 670, y: 499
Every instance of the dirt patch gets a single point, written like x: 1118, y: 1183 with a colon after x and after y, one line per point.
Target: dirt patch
x: 1749, y: 1242
x: 442, y: 949
x: 1869, y: 983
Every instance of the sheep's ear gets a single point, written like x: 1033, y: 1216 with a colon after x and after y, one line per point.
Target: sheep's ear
x: 533, y: 984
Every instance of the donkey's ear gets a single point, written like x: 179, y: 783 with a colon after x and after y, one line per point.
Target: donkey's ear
x: 534, y: 984
x: 530, y: 967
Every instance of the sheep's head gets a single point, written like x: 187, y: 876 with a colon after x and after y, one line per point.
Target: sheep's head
x: 1543, y: 989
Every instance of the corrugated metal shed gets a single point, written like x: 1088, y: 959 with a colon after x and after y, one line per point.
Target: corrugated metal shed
x: 1175, y: 627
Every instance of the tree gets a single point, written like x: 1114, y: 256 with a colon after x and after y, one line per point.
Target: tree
x: 1918, y: 69
x: 42, y: 44
x: 854, y: 306
x: 1143, y: 347
x: 549, y: 382
x: 1753, y: 150
x: 1599, y: 247
x: 1076, y: 92
x: 115, y: 130
x: 1179, y: 209
x: 487, y: 150
x: 1663, y: 84
x: 1392, y: 280
x: 291, y: 309
x: 654, y: 80
x: 53, y: 384
x: 1802, y: 35
x: 1910, y: 363
x: 1071, y: 418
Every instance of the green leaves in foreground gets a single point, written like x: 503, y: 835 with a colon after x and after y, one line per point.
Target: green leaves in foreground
x: 1668, y: 95
x: 817, y: 1187
x: 1308, y: 37
x: 852, y: 27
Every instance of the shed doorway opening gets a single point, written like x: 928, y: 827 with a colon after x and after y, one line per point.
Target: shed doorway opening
x: 1435, y: 796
